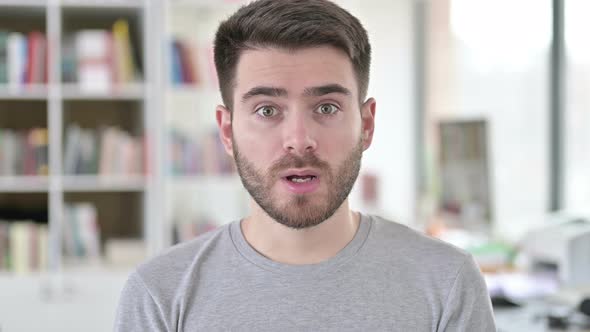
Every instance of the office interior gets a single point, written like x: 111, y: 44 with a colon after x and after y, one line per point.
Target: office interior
x: 109, y: 151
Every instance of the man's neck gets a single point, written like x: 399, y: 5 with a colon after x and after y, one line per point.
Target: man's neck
x: 304, y: 246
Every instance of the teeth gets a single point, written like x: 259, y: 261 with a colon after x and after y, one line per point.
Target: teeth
x: 301, y: 180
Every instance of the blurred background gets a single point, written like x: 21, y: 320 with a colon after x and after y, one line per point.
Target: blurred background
x: 109, y: 151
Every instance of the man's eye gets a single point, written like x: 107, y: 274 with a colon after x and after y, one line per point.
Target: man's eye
x: 327, y: 109
x: 266, y: 111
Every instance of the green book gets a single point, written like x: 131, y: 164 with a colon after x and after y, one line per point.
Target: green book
x: 3, y: 57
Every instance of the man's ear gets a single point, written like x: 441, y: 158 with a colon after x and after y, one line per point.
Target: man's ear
x: 368, y: 122
x: 223, y: 116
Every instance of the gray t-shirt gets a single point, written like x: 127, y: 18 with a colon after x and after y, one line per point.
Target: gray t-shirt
x: 388, y: 278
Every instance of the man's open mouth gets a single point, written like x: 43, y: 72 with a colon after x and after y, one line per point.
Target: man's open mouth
x: 300, y: 179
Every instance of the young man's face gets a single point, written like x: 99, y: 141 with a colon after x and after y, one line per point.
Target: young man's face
x: 297, y: 132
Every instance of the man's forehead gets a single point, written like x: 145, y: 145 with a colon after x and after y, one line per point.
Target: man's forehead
x: 302, y: 71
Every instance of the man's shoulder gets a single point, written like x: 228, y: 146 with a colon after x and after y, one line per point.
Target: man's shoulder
x: 403, y: 242
x: 173, y: 262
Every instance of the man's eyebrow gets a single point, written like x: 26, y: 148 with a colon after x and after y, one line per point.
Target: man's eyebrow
x: 318, y: 91
x: 264, y: 91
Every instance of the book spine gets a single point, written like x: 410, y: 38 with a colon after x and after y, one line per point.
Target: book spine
x: 176, y: 63
x: 16, y: 59
x: 3, y: 245
x: 186, y: 64
x: 42, y: 151
x: 89, y: 232
x: 94, y: 70
x: 31, y: 57
x: 123, y: 50
x: 40, y: 58
x: 10, y: 152
x: 19, y: 247
x: 3, y: 57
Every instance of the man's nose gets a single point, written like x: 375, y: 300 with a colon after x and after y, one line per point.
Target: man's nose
x: 299, y: 137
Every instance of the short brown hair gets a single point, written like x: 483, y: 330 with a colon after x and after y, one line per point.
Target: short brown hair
x: 290, y: 24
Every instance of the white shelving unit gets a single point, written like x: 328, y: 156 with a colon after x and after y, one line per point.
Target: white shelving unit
x: 31, y: 92
x: 23, y: 184
x: 151, y: 107
x: 64, y: 103
x: 90, y: 183
x: 80, y: 296
x: 124, y: 92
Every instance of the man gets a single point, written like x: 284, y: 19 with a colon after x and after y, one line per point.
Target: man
x: 293, y: 76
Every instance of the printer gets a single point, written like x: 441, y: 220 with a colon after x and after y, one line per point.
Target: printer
x: 563, y: 243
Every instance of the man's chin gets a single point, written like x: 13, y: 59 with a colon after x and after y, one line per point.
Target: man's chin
x: 300, y: 217
x: 299, y: 224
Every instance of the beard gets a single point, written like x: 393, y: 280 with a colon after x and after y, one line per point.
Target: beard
x: 300, y: 211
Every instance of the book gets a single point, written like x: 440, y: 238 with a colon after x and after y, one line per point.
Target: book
x: 24, y: 152
x: 185, y: 63
x: 204, y: 154
x: 20, y: 239
x: 108, y: 151
x: 39, y: 138
x: 36, y: 58
x: 17, y: 59
x: 72, y: 138
x: 4, y: 245
x: 81, y: 233
x: 100, y: 60
x: 124, y: 63
x: 23, y: 246
x: 3, y: 57
x: 94, y: 61
x: 8, y: 152
x: 176, y: 63
x: 23, y: 59
x: 69, y: 64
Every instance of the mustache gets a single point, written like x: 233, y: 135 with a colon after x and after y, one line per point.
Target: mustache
x: 292, y: 161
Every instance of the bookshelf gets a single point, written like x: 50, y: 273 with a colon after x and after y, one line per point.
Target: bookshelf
x: 82, y: 98
x: 24, y: 181
x: 56, y: 78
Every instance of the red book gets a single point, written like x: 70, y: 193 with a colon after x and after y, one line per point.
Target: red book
x: 36, y: 58
x: 31, y: 54
x: 41, y: 60
x: 188, y: 74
